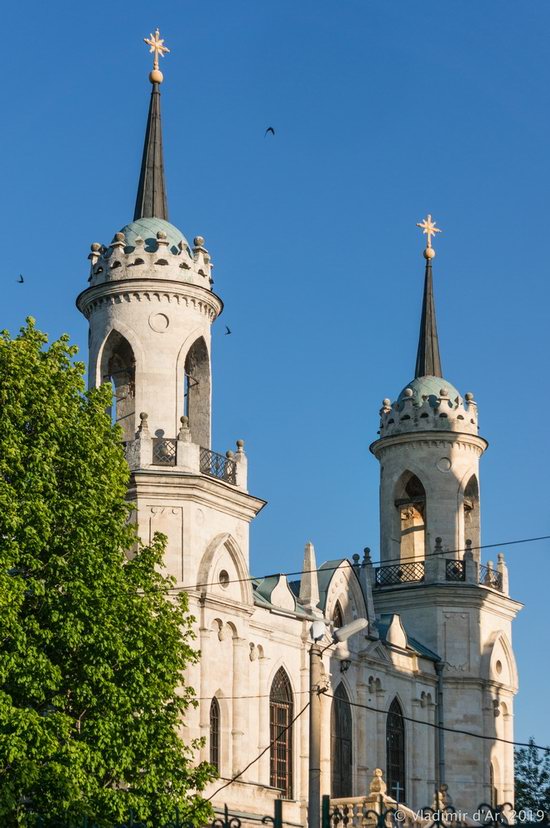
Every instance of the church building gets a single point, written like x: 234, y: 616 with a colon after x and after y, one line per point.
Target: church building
x: 433, y: 670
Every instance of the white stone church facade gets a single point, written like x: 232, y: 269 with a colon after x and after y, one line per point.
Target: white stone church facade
x: 437, y: 650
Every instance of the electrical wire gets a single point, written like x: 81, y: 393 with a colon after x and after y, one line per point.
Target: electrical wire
x: 259, y: 756
x: 442, y: 727
x: 187, y: 587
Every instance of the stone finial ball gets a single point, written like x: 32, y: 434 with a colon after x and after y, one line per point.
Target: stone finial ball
x: 386, y: 402
x: 444, y: 392
x: 95, y: 247
x: 240, y: 444
x: 199, y: 241
x: 156, y: 76
x: 161, y: 234
x: 143, y: 415
x: 468, y: 396
x: 408, y: 392
x: 120, y: 237
x: 429, y: 253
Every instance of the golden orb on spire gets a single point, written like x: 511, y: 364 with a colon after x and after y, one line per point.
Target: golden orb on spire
x: 157, y: 47
x: 429, y: 229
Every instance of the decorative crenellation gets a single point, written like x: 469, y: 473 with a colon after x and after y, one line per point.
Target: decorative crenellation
x: 158, y: 259
x: 440, y: 413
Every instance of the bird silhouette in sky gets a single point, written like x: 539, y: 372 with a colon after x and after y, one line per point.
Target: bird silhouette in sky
x: 269, y: 129
x: 20, y: 280
x: 227, y: 331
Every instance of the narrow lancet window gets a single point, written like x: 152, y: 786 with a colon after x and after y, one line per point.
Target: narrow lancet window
x: 280, y: 718
x: 395, y: 752
x: 341, y: 744
x: 215, y: 733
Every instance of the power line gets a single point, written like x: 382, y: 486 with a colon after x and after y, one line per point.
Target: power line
x: 442, y: 727
x: 411, y: 559
x: 259, y: 756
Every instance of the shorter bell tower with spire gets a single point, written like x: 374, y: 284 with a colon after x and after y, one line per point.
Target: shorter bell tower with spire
x: 431, y: 572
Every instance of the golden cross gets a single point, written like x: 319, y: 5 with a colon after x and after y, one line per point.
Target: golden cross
x: 428, y: 227
x: 157, y: 46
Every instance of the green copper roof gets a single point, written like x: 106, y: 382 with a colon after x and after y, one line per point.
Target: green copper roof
x: 148, y: 228
x: 428, y: 387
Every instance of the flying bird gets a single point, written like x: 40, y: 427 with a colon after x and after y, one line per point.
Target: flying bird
x: 227, y: 331
x: 269, y: 129
x: 20, y: 280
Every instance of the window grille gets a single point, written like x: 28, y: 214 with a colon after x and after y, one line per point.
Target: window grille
x: 395, y: 752
x: 215, y: 733
x: 341, y: 744
x: 280, y: 717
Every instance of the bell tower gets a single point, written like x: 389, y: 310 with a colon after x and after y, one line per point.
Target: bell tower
x: 150, y: 307
x: 431, y: 573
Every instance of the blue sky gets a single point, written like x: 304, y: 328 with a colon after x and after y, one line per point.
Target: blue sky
x: 383, y: 111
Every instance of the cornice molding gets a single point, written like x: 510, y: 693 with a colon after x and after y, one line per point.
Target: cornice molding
x: 144, y: 290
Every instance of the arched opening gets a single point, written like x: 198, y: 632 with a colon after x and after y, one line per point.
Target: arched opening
x: 395, y: 752
x: 337, y: 616
x: 118, y: 366
x: 471, y: 514
x: 280, y: 717
x: 410, y: 502
x: 196, y: 392
x: 341, y: 744
x: 215, y: 718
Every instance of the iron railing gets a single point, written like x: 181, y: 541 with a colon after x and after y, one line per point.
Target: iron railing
x: 399, y: 574
x: 164, y: 452
x: 490, y: 577
x: 218, y: 466
x: 455, y: 570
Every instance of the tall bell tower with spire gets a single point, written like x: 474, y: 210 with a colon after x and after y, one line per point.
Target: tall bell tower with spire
x: 431, y: 572
x: 150, y: 307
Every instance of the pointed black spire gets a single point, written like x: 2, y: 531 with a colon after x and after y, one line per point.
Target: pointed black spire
x: 151, y: 194
x: 428, y: 361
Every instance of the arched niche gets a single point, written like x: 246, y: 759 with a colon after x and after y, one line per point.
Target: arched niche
x: 197, y: 392
x: 470, y: 505
x: 118, y: 366
x: 410, y: 505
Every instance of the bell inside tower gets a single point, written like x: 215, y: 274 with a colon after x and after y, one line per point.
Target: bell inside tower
x: 119, y: 368
x: 196, y: 395
x: 410, y: 504
x: 471, y: 513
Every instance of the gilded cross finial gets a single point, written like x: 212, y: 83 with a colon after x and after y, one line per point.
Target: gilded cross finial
x: 429, y: 229
x: 157, y: 47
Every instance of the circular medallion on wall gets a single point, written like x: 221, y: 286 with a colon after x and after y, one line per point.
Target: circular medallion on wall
x: 159, y: 322
x: 444, y: 465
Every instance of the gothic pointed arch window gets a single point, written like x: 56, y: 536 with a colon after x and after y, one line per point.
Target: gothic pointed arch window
x: 341, y: 744
x: 118, y: 366
x: 337, y: 616
x: 280, y: 718
x: 410, y: 503
x: 395, y: 752
x: 215, y: 720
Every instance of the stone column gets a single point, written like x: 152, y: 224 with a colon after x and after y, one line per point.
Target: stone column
x: 204, y: 702
x: 361, y: 782
x: 263, y: 719
x: 240, y: 688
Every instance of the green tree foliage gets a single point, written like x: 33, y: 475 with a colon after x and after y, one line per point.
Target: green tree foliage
x: 92, y: 651
x: 532, y: 778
